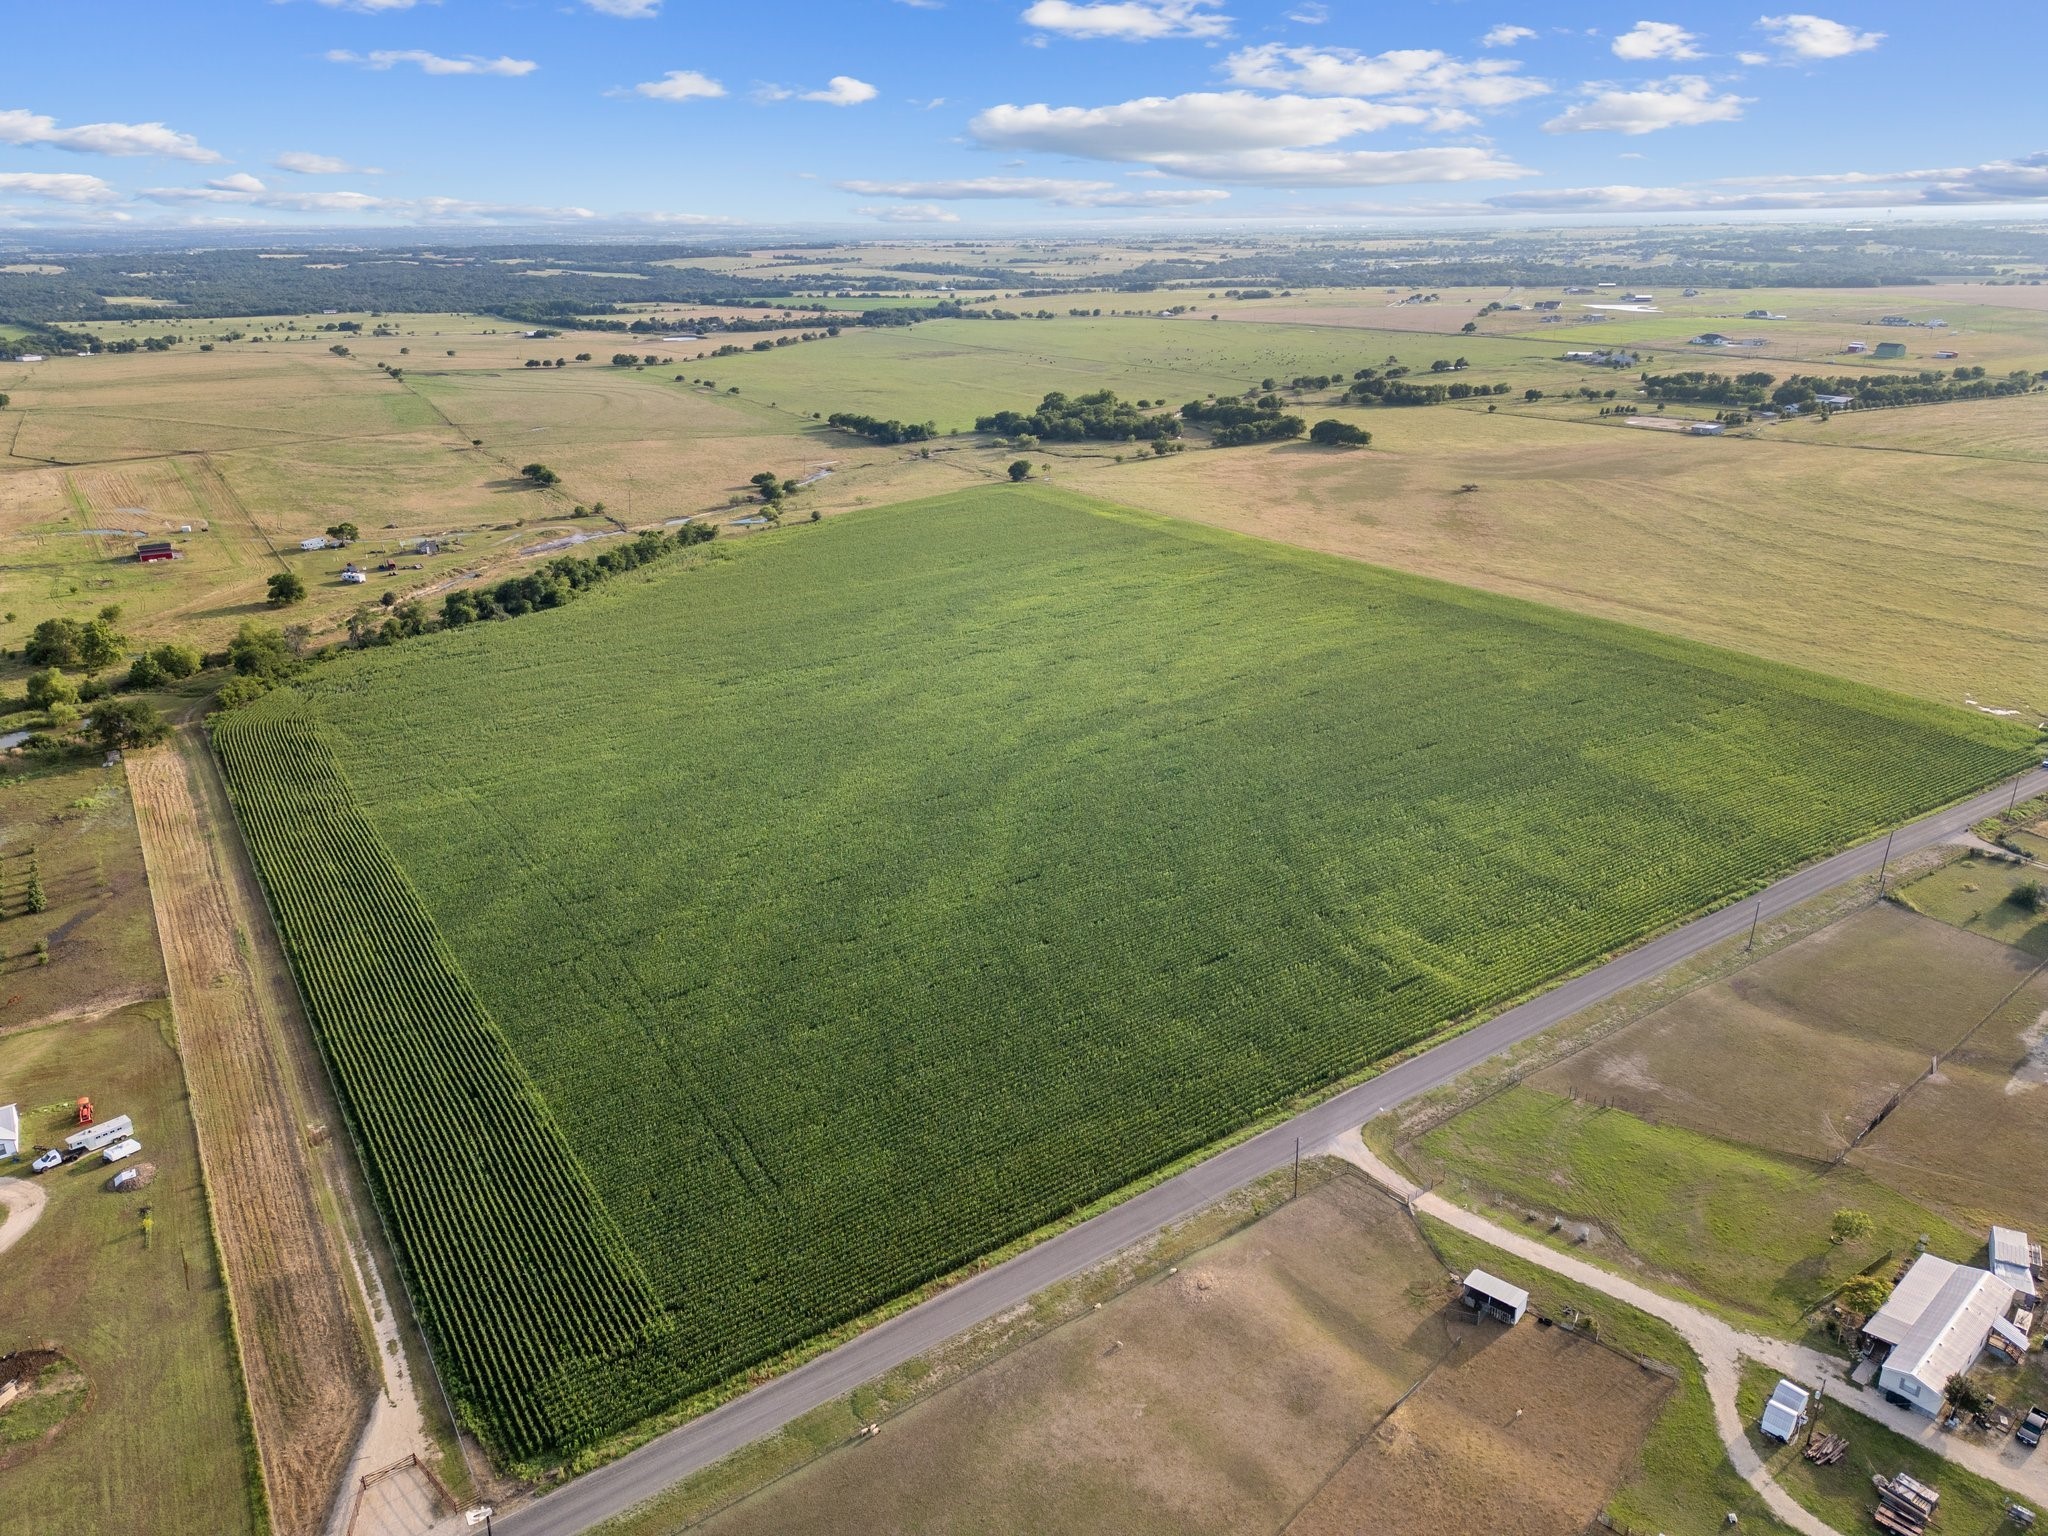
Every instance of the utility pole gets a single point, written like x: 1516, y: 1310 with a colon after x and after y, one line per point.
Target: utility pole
x: 1753, y: 919
x: 1886, y: 860
x: 1297, y: 1167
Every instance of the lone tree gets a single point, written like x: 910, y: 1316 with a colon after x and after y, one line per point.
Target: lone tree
x: 1332, y: 433
x: 122, y: 723
x: 1850, y: 1225
x: 769, y: 484
x: 1020, y: 469
x: 99, y: 647
x: 285, y: 589
x: 344, y: 533
x: 540, y: 474
x: 1864, y: 1295
x: 48, y: 687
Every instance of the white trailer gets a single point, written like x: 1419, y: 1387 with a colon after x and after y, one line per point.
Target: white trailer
x: 120, y: 1150
x: 93, y: 1137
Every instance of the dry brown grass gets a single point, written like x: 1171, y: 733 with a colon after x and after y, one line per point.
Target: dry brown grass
x: 1212, y: 1400
x: 1799, y: 1052
x: 302, y: 1347
x: 1525, y: 1434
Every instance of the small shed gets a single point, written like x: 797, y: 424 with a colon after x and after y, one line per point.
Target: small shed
x: 1890, y: 349
x: 1495, y: 1298
x: 153, y: 550
x: 2012, y: 1260
x: 1706, y: 428
x: 10, y: 1131
x: 319, y: 542
x: 1786, y: 1411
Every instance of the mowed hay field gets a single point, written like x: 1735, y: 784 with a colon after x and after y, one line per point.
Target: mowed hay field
x: 1913, y: 571
x: 1110, y: 833
x: 1234, y: 1396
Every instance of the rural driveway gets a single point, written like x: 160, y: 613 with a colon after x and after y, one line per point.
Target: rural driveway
x: 632, y: 1479
x: 20, y: 1204
x: 1721, y: 1349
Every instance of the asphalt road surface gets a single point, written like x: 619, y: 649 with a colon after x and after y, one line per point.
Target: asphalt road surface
x: 612, y: 1490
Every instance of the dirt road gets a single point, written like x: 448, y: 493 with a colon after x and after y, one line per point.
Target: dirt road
x: 302, y: 1348
x: 1721, y: 1348
x: 20, y: 1204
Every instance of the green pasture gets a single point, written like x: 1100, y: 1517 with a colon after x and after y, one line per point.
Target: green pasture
x: 1744, y: 1231
x: 1109, y: 832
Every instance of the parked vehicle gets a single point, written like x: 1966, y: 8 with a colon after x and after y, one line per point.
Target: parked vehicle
x: 2029, y: 1432
x: 121, y: 1149
x: 45, y: 1161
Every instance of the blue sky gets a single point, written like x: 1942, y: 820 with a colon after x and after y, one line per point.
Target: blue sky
x: 934, y: 115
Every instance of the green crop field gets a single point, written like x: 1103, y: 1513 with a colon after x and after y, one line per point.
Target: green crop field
x: 773, y: 935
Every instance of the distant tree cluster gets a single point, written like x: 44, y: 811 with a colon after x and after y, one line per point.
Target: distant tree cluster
x: 1371, y: 386
x: 1097, y: 417
x: 1928, y: 387
x: 1708, y: 388
x: 876, y: 430
x: 1233, y: 422
x: 560, y: 580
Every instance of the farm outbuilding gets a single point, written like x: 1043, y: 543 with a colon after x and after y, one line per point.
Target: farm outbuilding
x: 155, y: 549
x: 2012, y: 1260
x: 1935, y: 1325
x: 1786, y: 1411
x: 312, y: 544
x: 1707, y: 428
x: 1890, y: 349
x: 1495, y: 1298
x: 10, y: 1131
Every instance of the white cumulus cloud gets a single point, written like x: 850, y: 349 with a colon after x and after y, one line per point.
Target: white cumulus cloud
x: 1132, y: 21
x: 1656, y: 40
x: 680, y: 85
x: 1345, y: 168
x: 57, y: 186
x: 1683, y: 101
x: 1815, y: 37
x: 34, y: 128
x: 433, y: 63
x: 628, y: 10
x: 1506, y: 35
x: 842, y: 91
x: 300, y: 163
x: 1405, y: 74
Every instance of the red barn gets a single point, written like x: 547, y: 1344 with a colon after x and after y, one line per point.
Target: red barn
x: 156, y: 549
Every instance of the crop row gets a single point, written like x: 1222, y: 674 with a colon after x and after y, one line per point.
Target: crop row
x: 927, y: 875
x: 516, y: 1270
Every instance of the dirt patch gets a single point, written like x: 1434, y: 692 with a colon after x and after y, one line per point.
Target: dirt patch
x: 1216, y: 1398
x: 302, y: 1352
x: 40, y: 1391
x: 1526, y: 1433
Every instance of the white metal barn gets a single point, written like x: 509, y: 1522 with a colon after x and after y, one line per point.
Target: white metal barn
x: 10, y: 1131
x: 1786, y: 1411
x: 1936, y: 1322
x: 1495, y: 1298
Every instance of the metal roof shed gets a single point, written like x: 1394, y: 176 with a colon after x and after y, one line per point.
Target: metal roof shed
x: 10, y: 1131
x: 1490, y: 1296
x: 1786, y: 1410
x: 2012, y: 1260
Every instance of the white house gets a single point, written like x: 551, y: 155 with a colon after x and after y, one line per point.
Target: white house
x: 1835, y: 402
x: 1935, y: 1323
x: 30, y: 357
x: 314, y: 543
x: 1706, y: 428
x: 1786, y: 1411
x: 10, y: 1131
x: 1495, y: 1298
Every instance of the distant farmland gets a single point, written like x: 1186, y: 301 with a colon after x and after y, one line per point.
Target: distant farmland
x: 782, y: 933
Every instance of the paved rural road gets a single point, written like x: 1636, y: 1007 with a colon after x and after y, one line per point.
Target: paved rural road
x: 613, y: 1489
